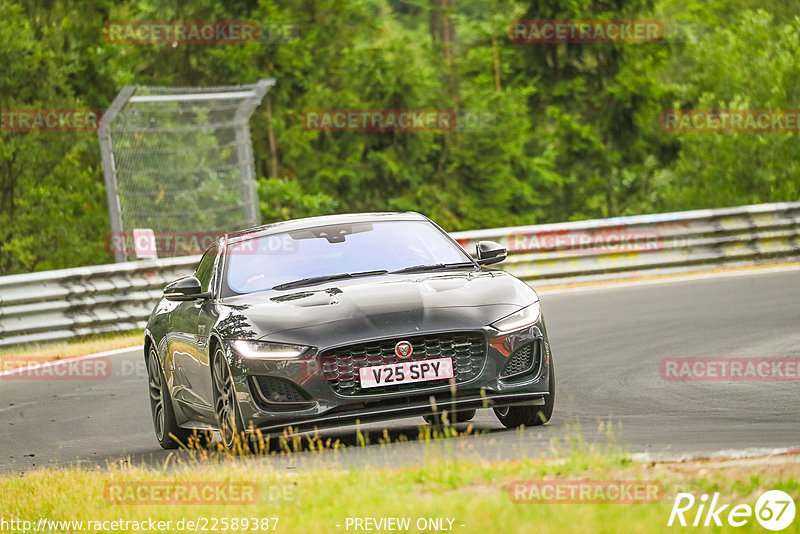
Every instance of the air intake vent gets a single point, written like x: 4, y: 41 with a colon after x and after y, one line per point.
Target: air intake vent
x: 523, y: 361
x: 279, y: 391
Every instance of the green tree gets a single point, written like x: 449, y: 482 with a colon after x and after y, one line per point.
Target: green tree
x: 751, y: 62
x: 51, y: 195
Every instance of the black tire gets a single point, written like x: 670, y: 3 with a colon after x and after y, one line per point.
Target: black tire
x: 452, y: 417
x: 168, y: 433
x: 514, y: 416
x: 226, y: 408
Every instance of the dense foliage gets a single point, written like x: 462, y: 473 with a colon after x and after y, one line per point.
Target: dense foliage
x: 574, y: 130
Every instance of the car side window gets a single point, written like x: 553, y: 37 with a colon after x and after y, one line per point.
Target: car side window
x: 205, y: 269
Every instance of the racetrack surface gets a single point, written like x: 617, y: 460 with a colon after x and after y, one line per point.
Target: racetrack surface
x: 607, y: 342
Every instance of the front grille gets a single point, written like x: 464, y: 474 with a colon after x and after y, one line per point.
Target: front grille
x: 522, y: 361
x: 278, y: 390
x: 340, y: 366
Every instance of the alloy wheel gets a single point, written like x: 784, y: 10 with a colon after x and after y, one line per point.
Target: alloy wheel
x: 155, y: 383
x: 225, y: 399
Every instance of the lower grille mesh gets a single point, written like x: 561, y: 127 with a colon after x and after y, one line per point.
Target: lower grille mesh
x: 278, y: 390
x: 340, y: 366
x: 523, y: 360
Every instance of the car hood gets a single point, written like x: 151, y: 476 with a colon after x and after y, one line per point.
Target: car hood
x: 346, y: 311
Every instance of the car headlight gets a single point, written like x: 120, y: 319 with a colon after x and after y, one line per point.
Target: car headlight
x: 520, y: 319
x: 268, y: 351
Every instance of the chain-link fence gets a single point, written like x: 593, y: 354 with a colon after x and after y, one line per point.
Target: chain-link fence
x: 179, y: 162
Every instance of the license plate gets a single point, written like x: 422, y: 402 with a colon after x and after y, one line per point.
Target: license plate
x: 406, y: 372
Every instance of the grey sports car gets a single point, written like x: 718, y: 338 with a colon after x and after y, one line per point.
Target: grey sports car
x: 324, y: 321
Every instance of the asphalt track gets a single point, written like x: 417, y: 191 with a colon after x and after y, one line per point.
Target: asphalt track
x: 608, y: 343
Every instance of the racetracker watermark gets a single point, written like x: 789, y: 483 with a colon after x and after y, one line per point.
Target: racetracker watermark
x: 197, y: 493
x: 80, y: 368
x: 145, y: 243
x: 176, y: 32
x: 396, y: 120
x: 602, y: 241
x: 43, y: 368
x: 379, y: 120
x: 586, y: 31
x: 731, y: 121
x: 729, y: 369
x: 50, y: 120
x: 200, y: 524
x: 585, y: 491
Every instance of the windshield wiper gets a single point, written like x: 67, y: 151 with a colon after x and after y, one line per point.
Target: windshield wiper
x: 434, y: 267
x: 326, y: 278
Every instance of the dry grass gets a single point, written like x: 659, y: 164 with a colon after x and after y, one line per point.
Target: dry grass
x: 39, y: 353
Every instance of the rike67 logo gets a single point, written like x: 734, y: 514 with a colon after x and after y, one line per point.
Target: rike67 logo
x: 774, y: 510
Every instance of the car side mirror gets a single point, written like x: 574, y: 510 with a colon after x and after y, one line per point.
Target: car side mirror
x: 489, y: 252
x: 187, y: 288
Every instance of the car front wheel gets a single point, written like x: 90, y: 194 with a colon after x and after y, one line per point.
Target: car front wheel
x: 514, y: 416
x: 226, y: 410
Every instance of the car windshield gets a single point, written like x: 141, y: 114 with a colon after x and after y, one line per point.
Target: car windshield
x: 286, y: 258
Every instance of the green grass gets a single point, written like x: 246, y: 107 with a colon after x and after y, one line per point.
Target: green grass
x: 474, y: 494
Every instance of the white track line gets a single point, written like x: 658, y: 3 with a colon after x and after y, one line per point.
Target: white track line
x: 668, y: 279
x: 54, y: 363
x: 726, y: 454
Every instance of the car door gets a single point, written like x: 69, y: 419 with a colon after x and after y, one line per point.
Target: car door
x: 190, y: 326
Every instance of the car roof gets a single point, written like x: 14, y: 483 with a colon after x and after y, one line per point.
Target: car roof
x: 324, y: 220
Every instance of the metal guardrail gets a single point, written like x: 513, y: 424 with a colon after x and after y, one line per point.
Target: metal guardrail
x: 645, y: 245
x: 55, y: 305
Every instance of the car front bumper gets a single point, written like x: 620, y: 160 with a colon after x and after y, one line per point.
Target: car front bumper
x: 316, y: 404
